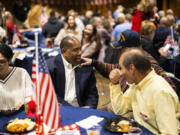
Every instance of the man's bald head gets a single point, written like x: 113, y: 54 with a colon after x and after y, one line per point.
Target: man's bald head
x: 68, y: 42
x: 138, y: 58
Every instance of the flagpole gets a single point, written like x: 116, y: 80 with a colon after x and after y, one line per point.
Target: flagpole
x: 172, y: 34
x: 37, y: 73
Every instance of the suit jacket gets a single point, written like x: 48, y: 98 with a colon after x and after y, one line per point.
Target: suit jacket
x: 85, y: 82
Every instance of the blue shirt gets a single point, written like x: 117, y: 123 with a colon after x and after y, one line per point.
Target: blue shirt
x: 120, y: 28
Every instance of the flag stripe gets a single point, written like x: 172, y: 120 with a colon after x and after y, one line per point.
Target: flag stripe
x: 48, y: 102
x: 48, y: 115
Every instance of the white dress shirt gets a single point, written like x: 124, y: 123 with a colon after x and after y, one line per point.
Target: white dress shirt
x: 70, y: 89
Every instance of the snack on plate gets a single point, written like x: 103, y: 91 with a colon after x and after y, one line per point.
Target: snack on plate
x: 20, y: 125
x: 122, y: 126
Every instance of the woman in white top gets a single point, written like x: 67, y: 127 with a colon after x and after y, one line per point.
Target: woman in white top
x: 15, y: 83
x: 70, y: 29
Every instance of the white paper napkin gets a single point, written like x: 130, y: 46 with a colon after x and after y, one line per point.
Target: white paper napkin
x: 89, y: 122
x: 22, y: 55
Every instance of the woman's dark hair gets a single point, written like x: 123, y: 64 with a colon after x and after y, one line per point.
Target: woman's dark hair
x: 138, y: 59
x: 94, y: 37
x: 67, y: 25
x: 6, y: 51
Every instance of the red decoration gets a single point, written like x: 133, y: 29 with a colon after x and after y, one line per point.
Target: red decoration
x: 30, y: 108
x: 39, y: 125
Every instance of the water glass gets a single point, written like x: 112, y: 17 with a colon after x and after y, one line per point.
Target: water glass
x: 95, y: 130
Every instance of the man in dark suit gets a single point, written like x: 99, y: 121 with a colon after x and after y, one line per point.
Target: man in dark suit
x: 74, y: 85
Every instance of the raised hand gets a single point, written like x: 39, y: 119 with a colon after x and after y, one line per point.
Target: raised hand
x: 87, y: 61
x: 114, y: 76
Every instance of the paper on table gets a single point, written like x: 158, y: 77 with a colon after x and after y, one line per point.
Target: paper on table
x: 21, y: 56
x: 68, y: 132
x: 89, y: 122
x: 54, y: 53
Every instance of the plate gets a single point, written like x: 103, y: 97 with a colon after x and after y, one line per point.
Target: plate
x: 114, y: 127
x: 20, y: 132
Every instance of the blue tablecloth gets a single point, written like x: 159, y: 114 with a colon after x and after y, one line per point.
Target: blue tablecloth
x: 26, y: 63
x: 70, y: 115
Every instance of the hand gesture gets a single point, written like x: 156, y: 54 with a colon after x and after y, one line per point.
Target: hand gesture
x: 115, y: 76
x: 87, y: 62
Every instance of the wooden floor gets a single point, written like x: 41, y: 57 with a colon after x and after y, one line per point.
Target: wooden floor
x: 102, y: 84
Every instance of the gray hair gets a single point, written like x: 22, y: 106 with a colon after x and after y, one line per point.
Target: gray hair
x: 138, y: 58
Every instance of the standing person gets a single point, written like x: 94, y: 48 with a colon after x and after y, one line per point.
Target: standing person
x: 15, y: 84
x: 52, y: 27
x: 154, y: 103
x: 74, y: 85
x: 144, y: 11
x: 70, y: 29
x: 20, y: 12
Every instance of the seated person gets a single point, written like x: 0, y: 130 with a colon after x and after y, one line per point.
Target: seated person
x: 74, y: 85
x: 154, y: 103
x: 15, y: 83
x: 130, y: 39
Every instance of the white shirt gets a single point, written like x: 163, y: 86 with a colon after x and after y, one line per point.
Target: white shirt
x: 70, y: 89
x: 17, y: 86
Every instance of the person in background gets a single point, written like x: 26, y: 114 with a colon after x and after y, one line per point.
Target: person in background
x: 2, y: 35
x: 128, y: 39
x: 88, y: 16
x: 15, y: 84
x: 148, y: 29
x: 70, y: 29
x: 78, y: 21
x: 124, y: 24
x: 74, y: 85
x: 10, y: 26
x: 91, y: 44
x: 144, y: 11
x: 52, y: 27
x: 163, y: 22
x: 120, y: 9
x: 170, y: 12
x: 171, y: 21
x: 161, y: 14
x: 104, y: 35
x: 20, y: 12
x: 154, y: 103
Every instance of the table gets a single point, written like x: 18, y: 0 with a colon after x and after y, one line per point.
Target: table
x: 26, y: 63
x: 70, y: 115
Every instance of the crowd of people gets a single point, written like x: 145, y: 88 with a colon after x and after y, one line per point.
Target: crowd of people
x: 134, y: 48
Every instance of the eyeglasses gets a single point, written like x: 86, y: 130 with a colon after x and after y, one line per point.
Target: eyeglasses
x: 3, y: 61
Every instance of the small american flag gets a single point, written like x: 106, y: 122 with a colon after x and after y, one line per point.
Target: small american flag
x: 45, y: 96
x: 43, y: 18
x: 15, y: 37
x: 170, y: 40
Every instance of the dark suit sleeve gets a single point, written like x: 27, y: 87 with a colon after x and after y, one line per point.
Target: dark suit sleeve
x: 92, y: 96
